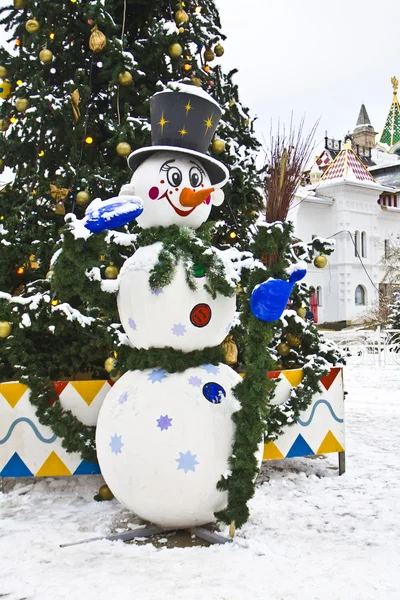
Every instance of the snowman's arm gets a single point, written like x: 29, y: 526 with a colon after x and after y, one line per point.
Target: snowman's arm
x: 112, y: 213
x: 269, y: 299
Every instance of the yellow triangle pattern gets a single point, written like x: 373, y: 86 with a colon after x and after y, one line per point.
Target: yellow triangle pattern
x: 53, y: 466
x: 87, y: 390
x: 13, y: 392
x: 294, y: 376
x: 271, y: 452
x: 329, y: 444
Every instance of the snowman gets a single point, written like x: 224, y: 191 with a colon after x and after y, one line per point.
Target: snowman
x: 164, y: 438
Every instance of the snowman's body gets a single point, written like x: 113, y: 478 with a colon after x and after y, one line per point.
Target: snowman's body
x: 164, y: 439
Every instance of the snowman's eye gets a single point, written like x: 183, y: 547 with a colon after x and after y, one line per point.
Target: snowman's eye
x: 195, y: 177
x: 174, y: 176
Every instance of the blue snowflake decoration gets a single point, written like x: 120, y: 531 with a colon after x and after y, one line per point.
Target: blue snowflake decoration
x: 164, y: 422
x: 157, y: 292
x: 132, y: 324
x: 123, y: 398
x: 187, y: 461
x: 213, y: 369
x: 116, y: 444
x: 179, y: 329
x: 195, y: 381
x: 214, y: 392
x: 157, y: 375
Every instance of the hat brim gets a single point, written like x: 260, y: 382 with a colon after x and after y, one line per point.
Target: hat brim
x: 217, y: 171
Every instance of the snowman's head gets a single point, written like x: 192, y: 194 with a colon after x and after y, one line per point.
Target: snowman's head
x: 175, y: 189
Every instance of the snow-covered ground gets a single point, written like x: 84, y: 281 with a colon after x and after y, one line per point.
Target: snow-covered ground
x: 312, y: 535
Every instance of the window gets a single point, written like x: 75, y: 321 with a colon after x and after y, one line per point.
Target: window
x: 363, y: 244
x: 356, y: 243
x: 360, y: 296
x: 318, y: 292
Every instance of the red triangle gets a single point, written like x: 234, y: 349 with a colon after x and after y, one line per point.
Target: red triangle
x: 59, y: 387
x: 330, y: 378
x: 273, y: 374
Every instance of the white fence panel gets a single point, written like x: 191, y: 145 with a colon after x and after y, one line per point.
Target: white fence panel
x: 379, y: 347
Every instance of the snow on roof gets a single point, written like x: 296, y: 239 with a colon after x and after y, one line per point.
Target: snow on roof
x: 347, y: 166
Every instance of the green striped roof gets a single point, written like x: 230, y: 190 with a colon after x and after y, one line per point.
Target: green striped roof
x: 391, y: 132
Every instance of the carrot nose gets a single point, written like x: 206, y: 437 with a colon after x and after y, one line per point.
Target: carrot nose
x: 190, y: 198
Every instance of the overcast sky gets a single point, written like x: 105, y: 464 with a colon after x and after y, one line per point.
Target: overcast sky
x: 318, y: 59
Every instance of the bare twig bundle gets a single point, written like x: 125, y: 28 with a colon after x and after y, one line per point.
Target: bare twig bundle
x: 286, y: 157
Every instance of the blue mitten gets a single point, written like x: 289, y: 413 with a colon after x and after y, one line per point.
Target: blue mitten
x: 269, y: 299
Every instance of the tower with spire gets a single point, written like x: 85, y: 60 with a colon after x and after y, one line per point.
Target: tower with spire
x: 390, y: 138
x: 363, y: 136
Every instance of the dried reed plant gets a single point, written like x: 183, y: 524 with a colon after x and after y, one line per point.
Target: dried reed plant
x: 286, y: 160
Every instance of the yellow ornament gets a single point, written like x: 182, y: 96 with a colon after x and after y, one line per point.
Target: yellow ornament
x: 97, y: 40
x: 75, y: 99
x: 123, y: 149
x: 125, y: 78
x: 231, y: 350
x: 49, y: 274
x: 283, y: 349
x: 82, y: 198
x: 320, y: 261
x: 293, y: 340
x: 3, y: 72
x: 4, y: 124
x: 301, y: 312
x: 181, y: 30
x: 19, y: 4
x: 45, y: 56
x: 111, y: 272
x: 209, y: 55
x: 219, y: 50
x: 5, y: 329
x: 181, y: 16
x: 175, y: 50
x: 196, y: 81
x: 109, y: 364
x: 21, y: 104
x: 105, y: 493
x: 58, y: 193
x: 218, y: 146
x: 32, y: 26
x: 1, y: 165
x: 5, y: 90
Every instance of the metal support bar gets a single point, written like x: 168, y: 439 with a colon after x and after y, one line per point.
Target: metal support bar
x: 210, y: 536
x: 342, y: 462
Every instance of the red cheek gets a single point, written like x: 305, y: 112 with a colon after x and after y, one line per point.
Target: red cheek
x: 207, y: 200
x: 154, y: 193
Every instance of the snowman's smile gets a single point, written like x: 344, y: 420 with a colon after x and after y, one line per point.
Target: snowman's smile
x: 179, y: 211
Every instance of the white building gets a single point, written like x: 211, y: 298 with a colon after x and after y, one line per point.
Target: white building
x: 354, y: 199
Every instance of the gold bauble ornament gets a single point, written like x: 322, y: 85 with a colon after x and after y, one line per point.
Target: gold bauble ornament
x: 82, y: 198
x: 19, y: 4
x: 181, y: 16
x: 105, y: 493
x: 109, y: 364
x: 320, y: 261
x: 5, y: 90
x: 196, y: 81
x: 21, y: 104
x: 3, y: 72
x: 1, y: 165
x: 5, y: 329
x: 4, y: 124
x: 219, y: 50
x: 97, y: 40
x: 123, y: 149
x: 32, y: 26
x: 283, y: 349
x: 175, y: 50
x: 45, y: 56
x: 111, y: 272
x: 301, y: 312
x: 231, y: 350
x: 209, y: 55
x: 293, y: 340
x: 181, y: 30
x: 218, y: 146
x: 125, y: 78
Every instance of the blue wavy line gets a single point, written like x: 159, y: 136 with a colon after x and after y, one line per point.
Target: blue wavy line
x: 35, y: 429
x: 306, y: 423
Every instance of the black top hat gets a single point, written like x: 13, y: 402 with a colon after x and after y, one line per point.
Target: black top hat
x: 184, y: 120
